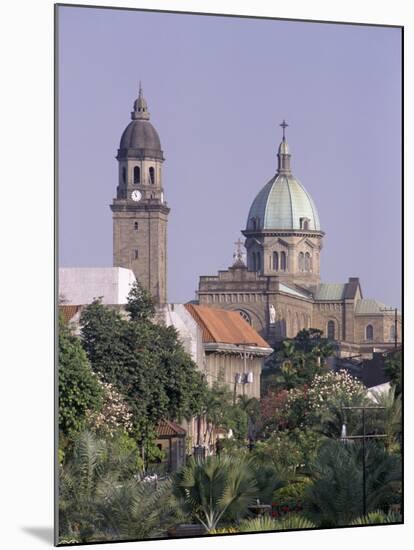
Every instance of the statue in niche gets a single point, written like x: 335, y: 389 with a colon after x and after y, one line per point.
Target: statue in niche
x: 272, y: 314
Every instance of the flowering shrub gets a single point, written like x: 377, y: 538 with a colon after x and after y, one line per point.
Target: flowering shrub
x: 327, y: 393
x: 115, y: 414
x: 289, y: 498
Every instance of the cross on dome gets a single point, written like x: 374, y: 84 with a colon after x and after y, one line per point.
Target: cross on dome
x: 284, y: 125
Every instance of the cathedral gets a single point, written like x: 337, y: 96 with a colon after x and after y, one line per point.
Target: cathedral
x: 277, y: 289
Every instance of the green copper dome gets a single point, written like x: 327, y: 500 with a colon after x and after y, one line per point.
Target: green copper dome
x: 283, y: 203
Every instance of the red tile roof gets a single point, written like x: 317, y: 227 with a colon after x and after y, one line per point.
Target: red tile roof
x: 225, y: 327
x: 69, y: 311
x: 168, y: 428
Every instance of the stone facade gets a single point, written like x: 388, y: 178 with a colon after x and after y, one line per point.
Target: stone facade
x: 278, y: 290
x: 140, y: 212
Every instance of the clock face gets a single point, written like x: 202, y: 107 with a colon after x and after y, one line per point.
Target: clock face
x: 136, y: 195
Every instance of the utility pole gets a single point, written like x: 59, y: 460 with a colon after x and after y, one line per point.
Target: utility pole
x: 363, y: 437
x: 395, y: 310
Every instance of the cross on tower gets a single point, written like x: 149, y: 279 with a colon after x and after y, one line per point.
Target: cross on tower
x: 238, y: 253
x: 284, y: 125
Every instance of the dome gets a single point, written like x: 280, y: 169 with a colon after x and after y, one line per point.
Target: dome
x: 283, y: 203
x: 140, y: 134
x: 140, y: 139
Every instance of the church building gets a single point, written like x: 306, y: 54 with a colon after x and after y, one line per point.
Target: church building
x: 279, y: 291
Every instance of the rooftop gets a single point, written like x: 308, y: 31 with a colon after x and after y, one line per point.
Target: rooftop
x: 225, y: 327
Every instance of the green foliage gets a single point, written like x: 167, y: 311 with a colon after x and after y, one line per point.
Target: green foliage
x: 297, y: 361
x: 140, y: 306
x: 215, y: 489
x: 388, y: 421
x: 393, y: 369
x: 319, y: 406
x: 290, y: 452
x: 378, y: 517
x: 144, y: 361
x: 79, y: 389
x: 265, y: 523
x: 101, y: 497
x: 336, y: 496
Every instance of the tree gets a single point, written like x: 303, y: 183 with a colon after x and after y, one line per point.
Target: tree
x: 141, y: 305
x: 216, y: 488
x: 297, y: 361
x: 144, y: 361
x: 79, y: 389
x: 101, y: 497
x: 336, y: 496
x: 393, y: 369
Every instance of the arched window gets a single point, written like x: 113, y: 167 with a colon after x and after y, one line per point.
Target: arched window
x: 152, y: 175
x: 123, y: 174
x: 392, y: 333
x: 245, y: 316
x: 259, y: 262
x: 283, y: 261
x: 369, y: 332
x: 136, y: 254
x: 275, y: 261
x: 254, y: 261
x: 331, y: 330
x: 136, y: 226
x: 301, y: 261
x: 307, y: 262
x: 137, y: 174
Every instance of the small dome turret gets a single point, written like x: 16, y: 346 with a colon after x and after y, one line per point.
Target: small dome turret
x: 140, y: 139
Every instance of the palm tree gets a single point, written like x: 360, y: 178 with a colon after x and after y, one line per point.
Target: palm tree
x: 388, y: 421
x: 336, y: 496
x: 101, y: 497
x: 216, y: 488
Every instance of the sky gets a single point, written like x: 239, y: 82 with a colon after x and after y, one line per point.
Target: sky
x: 217, y: 89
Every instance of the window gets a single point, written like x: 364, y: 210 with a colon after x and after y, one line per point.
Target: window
x: 136, y: 254
x: 259, y: 262
x: 369, y: 332
x: 137, y: 175
x: 152, y: 175
x: 283, y: 261
x: 123, y: 174
x: 392, y: 333
x: 136, y: 226
x: 253, y: 220
x: 275, y: 261
x: 331, y: 330
x: 245, y: 316
x: 301, y: 261
x: 307, y: 262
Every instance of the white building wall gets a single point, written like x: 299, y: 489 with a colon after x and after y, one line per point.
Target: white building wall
x: 81, y: 285
x: 188, y: 330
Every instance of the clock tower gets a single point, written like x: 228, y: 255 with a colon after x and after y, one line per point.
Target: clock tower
x: 139, y: 211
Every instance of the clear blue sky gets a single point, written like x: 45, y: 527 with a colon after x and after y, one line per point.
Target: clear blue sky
x: 217, y: 89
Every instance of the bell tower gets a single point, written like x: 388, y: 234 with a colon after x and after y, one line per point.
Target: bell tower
x: 139, y: 211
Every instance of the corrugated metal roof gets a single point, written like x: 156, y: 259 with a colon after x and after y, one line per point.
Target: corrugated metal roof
x: 225, y: 327
x: 331, y: 291
x: 367, y: 307
x: 168, y: 428
x: 293, y: 292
